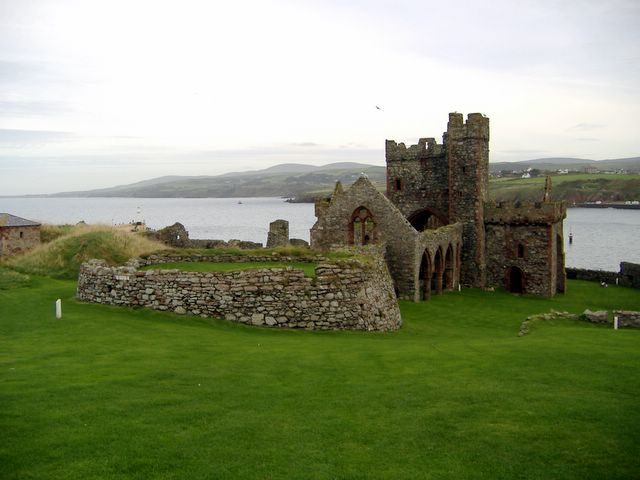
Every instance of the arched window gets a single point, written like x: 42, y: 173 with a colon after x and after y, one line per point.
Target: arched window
x: 520, y: 250
x: 362, y: 227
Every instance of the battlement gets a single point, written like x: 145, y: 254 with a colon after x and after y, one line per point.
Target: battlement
x: 425, y: 147
x: 476, y: 127
x: 524, y: 213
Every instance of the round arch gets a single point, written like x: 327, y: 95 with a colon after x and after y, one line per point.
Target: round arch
x: 427, y: 219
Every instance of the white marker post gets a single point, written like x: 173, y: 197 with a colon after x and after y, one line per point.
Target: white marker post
x: 615, y: 322
x: 58, y: 309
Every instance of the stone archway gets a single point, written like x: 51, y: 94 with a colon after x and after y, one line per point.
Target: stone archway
x: 427, y: 219
x: 438, y: 270
x: 515, y: 280
x: 449, y: 263
x: 425, y: 277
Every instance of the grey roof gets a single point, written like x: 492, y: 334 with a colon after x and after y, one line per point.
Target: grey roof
x: 8, y: 220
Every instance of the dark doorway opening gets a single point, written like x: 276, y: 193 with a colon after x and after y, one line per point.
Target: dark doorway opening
x: 515, y: 280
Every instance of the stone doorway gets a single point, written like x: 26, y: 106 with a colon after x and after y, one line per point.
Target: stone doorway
x: 515, y: 280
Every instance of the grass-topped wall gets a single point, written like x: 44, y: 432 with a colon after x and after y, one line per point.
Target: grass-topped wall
x: 347, y: 294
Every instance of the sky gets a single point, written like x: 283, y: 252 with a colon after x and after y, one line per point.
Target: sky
x: 98, y: 93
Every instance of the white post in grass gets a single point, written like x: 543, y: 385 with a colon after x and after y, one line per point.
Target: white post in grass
x: 58, y: 309
x: 615, y: 322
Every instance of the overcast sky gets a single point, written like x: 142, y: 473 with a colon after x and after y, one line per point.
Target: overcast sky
x: 96, y: 93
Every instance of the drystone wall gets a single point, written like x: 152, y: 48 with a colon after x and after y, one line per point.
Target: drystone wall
x: 627, y: 319
x: 629, y: 275
x: 355, y: 295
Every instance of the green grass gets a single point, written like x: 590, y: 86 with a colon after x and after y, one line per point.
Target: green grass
x: 118, y: 393
x: 62, y: 257
x: 309, y: 269
x: 12, y: 279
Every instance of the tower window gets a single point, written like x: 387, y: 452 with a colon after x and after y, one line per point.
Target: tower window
x: 520, y: 250
x: 21, y: 234
x: 398, y: 184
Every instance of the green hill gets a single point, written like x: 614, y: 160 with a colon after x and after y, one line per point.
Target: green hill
x: 574, y: 188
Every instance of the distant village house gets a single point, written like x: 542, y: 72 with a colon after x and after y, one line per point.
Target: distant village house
x: 17, y: 235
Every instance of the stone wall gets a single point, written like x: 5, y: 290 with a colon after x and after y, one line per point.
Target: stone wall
x: 527, y: 237
x: 17, y: 240
x: 177, y: 236
x: 629, y: 275
x: 627, y: 319
x: 354, y: 295
x: 278, y: 235
x: 592, y: 275
x: 448, y: 181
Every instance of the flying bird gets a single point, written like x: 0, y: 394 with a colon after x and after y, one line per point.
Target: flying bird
x: 378, y: 108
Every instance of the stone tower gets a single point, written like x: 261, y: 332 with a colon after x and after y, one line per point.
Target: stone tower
x: 467, y: 147
x: 435, y: 185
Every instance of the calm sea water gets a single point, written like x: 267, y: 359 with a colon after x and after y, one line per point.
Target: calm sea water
x: 602, y: 238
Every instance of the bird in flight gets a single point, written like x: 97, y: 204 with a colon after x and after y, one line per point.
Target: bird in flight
x: 378, y: 108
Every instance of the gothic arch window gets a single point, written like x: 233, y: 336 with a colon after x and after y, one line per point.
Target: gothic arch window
x: 520, y: 250
x: 398, y: 184
x: 363, y: 229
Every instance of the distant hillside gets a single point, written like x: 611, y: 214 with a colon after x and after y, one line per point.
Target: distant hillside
x: 573, y: 188
x: 292, y: 180
x: 631, y: 164
x: 306, y: 182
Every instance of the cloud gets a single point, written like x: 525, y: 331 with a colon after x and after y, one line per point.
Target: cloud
x: 30, y: 138
x: 304, y: 144
x: 586, y: 126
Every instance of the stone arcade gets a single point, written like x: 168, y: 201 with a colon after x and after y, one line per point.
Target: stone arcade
x: 438, y: 226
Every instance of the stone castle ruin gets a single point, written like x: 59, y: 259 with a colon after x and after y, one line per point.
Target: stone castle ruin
x: 438, y: 226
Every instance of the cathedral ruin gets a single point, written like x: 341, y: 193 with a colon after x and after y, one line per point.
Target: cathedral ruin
x: 439, y: 229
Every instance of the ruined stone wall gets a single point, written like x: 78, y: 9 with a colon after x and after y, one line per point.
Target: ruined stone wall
x: 448, y: 180
x: 156, y: 259
x: 527, y: 236
x: 441, y: 245
x: 629, y: 275
x: 278, y: 235
x: 534, y: 259
x: 356, y: 295
x: 592, y: 275
x: 417, y: 177
x: 467, y: 145
x: 627, y: 319
x: 17, y: 240
x: 332, y: 230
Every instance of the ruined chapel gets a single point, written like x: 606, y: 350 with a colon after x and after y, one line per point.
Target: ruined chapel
x: 437, y: 225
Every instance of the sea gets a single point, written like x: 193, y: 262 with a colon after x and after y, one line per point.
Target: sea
x: 601, y: 238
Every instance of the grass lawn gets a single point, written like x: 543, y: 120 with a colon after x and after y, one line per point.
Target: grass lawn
x: 309, y: 269
x: 111, y: 393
